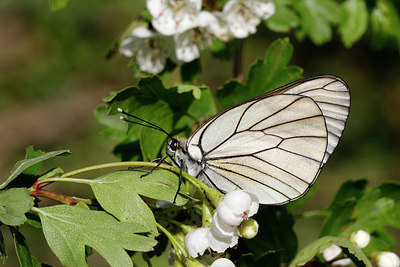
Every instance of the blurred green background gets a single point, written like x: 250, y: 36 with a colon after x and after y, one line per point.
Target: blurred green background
x: 53, y: 73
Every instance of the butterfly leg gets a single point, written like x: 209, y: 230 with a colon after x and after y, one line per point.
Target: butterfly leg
x: 180, y: 183
x: 158, y: 164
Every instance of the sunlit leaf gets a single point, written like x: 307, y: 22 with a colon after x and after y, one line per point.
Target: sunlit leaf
x: 265, y: 75
x: 354, y: 21
x: 284, y: 18
x: 68, y: 229
x: 14, y: 203
x: 317, y: 17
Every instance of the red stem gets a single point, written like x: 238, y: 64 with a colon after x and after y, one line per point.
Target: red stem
x: 37, y: 191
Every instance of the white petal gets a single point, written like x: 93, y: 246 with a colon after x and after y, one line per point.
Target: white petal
x: 263, y: 8
x: 227, y: 216
x: 254, y: 205
x: 156, y: 7
x: 342, y: 262
x: 186, y: 48
x: 196, y: 242
x: 221, y: 243
x: 222, y: 262
x: 221, y: 229
x: 206, y: 18
x: 360, y: 238
x: 126, y: 47
x: 238, y: 201
x: 388, y: 259
x: 142, y: 32
x: 331, y: 252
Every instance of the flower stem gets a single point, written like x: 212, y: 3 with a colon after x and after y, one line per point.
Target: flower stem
x: 177, y: 244
x: 238, y: 63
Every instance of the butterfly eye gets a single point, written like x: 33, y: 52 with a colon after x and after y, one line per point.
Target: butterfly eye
x: 173, y: 145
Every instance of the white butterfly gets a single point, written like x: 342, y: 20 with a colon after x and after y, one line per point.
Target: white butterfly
x: 273, y: 145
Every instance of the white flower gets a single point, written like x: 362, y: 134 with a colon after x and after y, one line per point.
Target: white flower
x: 342, y: 262
x: 222, y: 262
x: 223, y: 233
x: 148, y: 48
x: 331, y: 252
x: 189, y: 43
x: 360, y: 238
x: 243, y: 16
x: 237, y: 206
x: 174, y: 16
x: 196, y: 242
x: 249, y: 229
x: 388, y: 259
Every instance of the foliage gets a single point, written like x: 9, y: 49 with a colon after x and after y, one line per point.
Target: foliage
x: 138, y: 207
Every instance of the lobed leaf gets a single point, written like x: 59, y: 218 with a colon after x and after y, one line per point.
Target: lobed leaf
x: 265, y: 75
x: 14, y: 203
x: 68, y: 229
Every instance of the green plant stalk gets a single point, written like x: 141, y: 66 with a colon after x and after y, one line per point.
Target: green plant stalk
x: 177, y: 244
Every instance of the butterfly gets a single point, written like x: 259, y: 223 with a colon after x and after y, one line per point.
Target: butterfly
x: 273, y: 146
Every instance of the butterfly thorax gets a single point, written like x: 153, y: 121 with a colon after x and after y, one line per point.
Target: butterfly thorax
x: 189, y: 159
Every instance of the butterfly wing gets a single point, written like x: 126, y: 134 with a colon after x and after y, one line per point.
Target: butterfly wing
x: 273, y: 145
x: 332, y: 96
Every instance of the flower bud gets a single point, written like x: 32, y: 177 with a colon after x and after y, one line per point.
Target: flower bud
x: 222, y: 262
x: 360, y: 238
x: 249, y: 229
x: 388, y: 259
x: 331, y: 252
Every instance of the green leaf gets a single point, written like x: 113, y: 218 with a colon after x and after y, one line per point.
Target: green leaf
x: 191, y: 72
x: 68, y: 229
x: 169, y: 108
x: 340, y: 215
x: 265, y: 75
x: 21, y: 248
x: 317, y: 16
x: 14, y: 203
x: 354, y: 21
x: 22, y: 165
x: 57, y: 4
x: 350, y: 190
x: 385, y: 22
x: 31, y: 154
x: 3, y: 253
x: 278, y: 227
x: 160, y: 184
x: 284, y: 18
x: 318, y: 246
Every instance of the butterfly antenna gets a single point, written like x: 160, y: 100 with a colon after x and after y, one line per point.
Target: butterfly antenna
x: 142, y: 122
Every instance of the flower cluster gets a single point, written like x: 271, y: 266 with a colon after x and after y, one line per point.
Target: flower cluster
x: 182, y: 29
x: 236, y: 207
x: 361, y: 239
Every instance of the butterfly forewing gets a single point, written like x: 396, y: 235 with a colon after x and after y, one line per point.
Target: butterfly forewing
x: 276, y: 144
x: 332, y: 96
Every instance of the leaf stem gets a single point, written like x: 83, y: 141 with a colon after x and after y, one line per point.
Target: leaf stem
x: 177, y: 244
